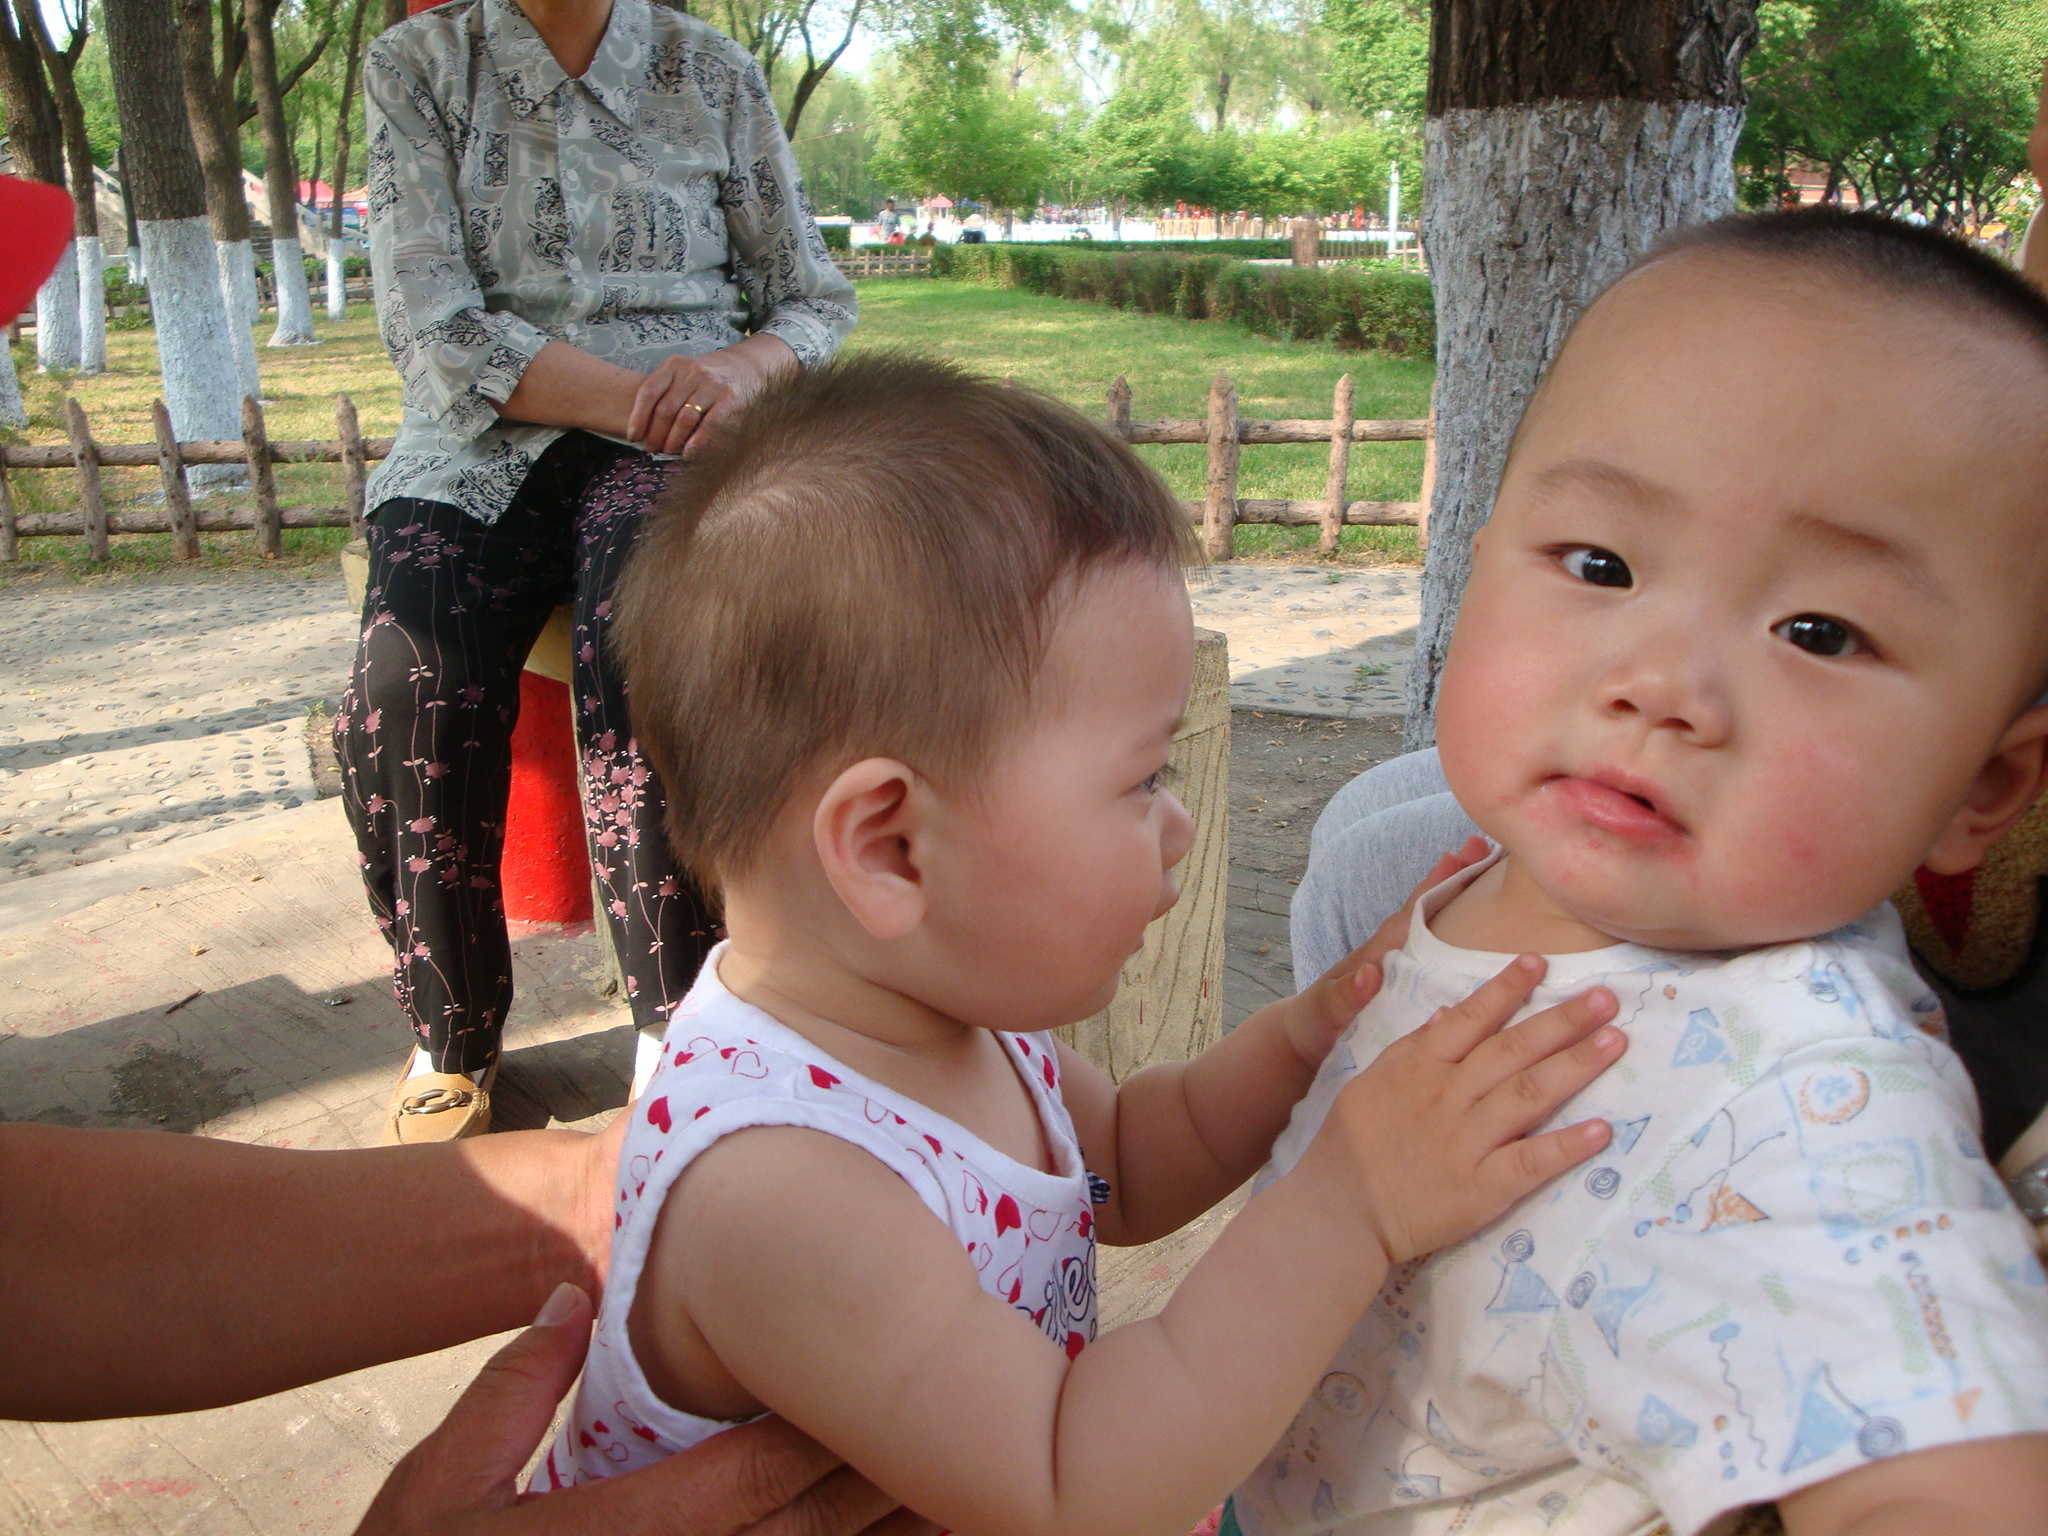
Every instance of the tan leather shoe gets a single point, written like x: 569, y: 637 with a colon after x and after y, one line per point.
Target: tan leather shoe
x: 438, y: 1106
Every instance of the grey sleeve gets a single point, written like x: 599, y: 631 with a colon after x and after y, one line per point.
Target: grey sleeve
x: 1378, y: 836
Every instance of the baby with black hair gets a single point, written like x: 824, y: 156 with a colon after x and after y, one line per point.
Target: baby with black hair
x: 1755, y: 629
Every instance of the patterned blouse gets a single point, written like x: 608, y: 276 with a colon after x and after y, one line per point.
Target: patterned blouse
x: 649, y: 208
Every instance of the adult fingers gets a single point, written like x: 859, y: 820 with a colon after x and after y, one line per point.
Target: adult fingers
x: 842, y: 1503
x: 1452, y: 1033
x: 707, y: 427
x: 669, y: 410
x: 470, y: 1462
x: 903, y: 1522
x: 688, y: 426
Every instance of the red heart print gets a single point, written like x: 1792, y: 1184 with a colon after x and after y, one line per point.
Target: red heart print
x: 701, y: 1113
x: 617, y: 1451
x: 1076, y: 1342
x: 583, y: 1438
x: 748, y: 1064
x: 876, y: 1113
x: 1007, y: 1215
x: 933, y: 1143
x: 1044, y: 1225
x: 1010, y: 1283
x: 1052, y: 1079
x: 823, y: 1079
x: 598, y: 1425
x: 657, y: 1115
x: 643, y: 1431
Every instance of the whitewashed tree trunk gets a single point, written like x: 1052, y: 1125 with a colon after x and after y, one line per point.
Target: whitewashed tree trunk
x: 92, y: 305
x: 337, y: 283
x: 1531, y: 210
x: 57, y: 314
x: 236, y: 265
x: 202, y: 376
x: 294, y: 298
x: 12, y: 412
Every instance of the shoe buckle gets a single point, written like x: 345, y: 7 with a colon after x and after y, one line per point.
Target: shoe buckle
x: 435, y: 1100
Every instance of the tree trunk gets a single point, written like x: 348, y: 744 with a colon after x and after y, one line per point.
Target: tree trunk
x: 394, y: 12
x: 60, y: 64
x: 208, y: 106
x: 337, y: 277
x: 12, y: 412
x: 36, y: 138
x: 281, y: 181
x: 1563, y: 137
x: 161, y: 172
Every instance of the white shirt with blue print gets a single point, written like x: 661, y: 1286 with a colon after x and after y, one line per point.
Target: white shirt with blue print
x: 1792, y: 1259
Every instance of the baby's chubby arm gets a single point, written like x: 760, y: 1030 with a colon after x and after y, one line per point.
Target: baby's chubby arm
x: 1177, y: 1137
x: 828, y: 1292
x: 1985, y: 1487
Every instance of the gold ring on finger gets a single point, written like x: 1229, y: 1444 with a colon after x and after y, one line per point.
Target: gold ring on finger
x: 691, y: 405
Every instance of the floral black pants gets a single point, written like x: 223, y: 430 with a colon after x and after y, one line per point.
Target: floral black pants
x: 423, y: 736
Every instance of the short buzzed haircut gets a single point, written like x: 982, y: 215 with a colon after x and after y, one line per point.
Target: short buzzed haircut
x: 1910, y: 260
x: 869, y: 564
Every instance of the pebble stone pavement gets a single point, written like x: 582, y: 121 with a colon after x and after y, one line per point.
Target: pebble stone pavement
x: 139, y: 711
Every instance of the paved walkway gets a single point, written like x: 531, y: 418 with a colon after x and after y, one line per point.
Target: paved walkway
x: 138, y: 712
x: 185, y: 949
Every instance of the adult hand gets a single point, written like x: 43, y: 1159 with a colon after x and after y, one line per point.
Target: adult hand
x: 683, y: 403
x: 760, y: 1479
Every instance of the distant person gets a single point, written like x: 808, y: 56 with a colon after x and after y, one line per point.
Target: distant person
x: 1713, y: 705
x: 865, y: 1186
x: 887, y: 220
x: 591, y: 248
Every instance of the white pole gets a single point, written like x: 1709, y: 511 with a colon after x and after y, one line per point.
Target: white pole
x: 337, y: 288
x: 1393, y: 208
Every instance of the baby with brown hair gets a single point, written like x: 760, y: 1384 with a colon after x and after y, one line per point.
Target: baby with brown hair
x: 908, y: 655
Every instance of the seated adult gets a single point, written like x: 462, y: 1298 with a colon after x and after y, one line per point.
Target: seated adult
x: 590, y: 247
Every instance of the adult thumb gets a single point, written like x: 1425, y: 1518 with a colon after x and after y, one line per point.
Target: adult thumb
x: 471, y: 1462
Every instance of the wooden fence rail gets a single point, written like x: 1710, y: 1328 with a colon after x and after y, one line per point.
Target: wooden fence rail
x: 1221, y: 508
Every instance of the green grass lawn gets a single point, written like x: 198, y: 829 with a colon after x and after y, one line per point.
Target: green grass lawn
x: 1068, y: 349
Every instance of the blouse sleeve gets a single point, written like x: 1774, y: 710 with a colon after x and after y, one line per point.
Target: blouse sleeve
x: 792, y: 289
x: 455, y: 357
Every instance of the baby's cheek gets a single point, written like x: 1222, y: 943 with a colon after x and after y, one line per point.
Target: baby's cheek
x: 1817, y: 855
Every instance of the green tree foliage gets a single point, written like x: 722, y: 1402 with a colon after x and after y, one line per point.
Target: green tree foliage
x: 1379, y: 55
x: 1912, y: 105
x: 957, y: 133
x: 1137, y: 147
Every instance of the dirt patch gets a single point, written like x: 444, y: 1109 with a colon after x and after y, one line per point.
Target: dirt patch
x: 1283, y: 770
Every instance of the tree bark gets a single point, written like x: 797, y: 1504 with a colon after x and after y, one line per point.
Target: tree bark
x: 1563, y: 137
x: 337, y: 277
x: 60, y: 64
x: 208, y: 107
x: 281, y: 181
x: 162, y: 174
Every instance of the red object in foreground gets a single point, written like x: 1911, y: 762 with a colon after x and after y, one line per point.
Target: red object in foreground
x: 545, y: 874
x: 37, y: 218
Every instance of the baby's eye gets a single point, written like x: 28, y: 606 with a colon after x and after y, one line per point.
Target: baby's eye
x: 1821, y: 635
x: 1599, y: 567
x: 1157, y: 779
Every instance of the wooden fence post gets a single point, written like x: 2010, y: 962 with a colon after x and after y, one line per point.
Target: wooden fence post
x: 1428, y: 474
x: 352, y: 461
x: 10, y: 544
x: 89, y: 496
x: 1336, y: 487
x: 1119, y: 418
x: 1219, y: 511
x: 170, y: 468
x: 269, y: 520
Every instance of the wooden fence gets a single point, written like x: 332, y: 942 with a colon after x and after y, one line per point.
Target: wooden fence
x: 1221, y: 508
x: 890, y: 261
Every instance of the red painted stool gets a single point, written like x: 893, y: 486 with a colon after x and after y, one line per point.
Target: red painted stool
x: 545, y: 871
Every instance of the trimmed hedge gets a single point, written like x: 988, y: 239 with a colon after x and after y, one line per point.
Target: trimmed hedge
x: 838, y: 237
x: 1385, y: 309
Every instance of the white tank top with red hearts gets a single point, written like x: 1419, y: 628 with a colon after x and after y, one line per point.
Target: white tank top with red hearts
x: 728, y: 1066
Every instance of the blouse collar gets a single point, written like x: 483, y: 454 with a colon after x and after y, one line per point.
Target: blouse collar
x: 531, y: 76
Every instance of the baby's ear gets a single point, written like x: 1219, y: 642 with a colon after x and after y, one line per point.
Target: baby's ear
x: 865, y: 832
x: 2010, y: 781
